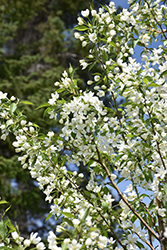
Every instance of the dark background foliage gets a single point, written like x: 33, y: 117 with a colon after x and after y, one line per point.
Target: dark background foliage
x: 36, y: 45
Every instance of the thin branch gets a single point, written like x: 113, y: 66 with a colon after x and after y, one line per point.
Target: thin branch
x: 144, y: 205
x: 124, y: 199
x: 149, y: 244
x: 156, y: 19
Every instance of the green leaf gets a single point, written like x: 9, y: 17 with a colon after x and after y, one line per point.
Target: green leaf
x: 3, y: 230
x: 136, y: 32
x: 146, y: 144
x: 118, y: 157
x: 69, y: 215
x: 60, y: 90
x: 124, y: 88
x: 46, y: 104
x: 68, y: 221
x: 94, y: 201
x: 133, y: 218
x: 163, y: 73
x: 8, y: 123
x: 10, y: 225
x: 87, y: 193
x: 7, y: 209
x: 5, y: 248
x: 144, y: 195
x: 13, y: 107
x: 140, y: 245
x: 93, y: 229
x: 3, y: 202
x: 105, y: 206
x: 120, y: 180
x: 91, y: 66
x: 35, y: 125
x: 64, y: 246
x: 61, y: 101
x: 48, y: 110
x: 85, y: 214
x: 130, y: 135
x: 105, y: 55
x: 147, y: 175
x: 48, y: 216
x: 147, y: 79
x: 153, y: 84
x: 151, y: 205
x: 27, y: 102
x: 81, y: 28
x: 112, y: 44
x: 165, y: 188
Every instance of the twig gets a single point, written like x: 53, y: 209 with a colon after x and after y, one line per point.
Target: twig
x: 124, y: 199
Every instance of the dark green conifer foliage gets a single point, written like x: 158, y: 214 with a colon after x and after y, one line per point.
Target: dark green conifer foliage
x: 35, y: 46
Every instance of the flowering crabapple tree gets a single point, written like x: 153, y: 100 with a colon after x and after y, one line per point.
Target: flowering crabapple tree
x: 133, y: 141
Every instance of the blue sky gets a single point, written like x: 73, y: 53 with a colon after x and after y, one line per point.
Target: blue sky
x: 122, y: 3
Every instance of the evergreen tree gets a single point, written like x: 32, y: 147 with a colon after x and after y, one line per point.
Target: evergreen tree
x: 35, y: 46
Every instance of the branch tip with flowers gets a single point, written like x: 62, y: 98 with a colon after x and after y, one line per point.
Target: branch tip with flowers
x: 130, y: 135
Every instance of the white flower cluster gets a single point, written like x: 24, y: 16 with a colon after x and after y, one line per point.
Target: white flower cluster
x: 131, y: 137
x: 33, y: 240
x: 51, y: 177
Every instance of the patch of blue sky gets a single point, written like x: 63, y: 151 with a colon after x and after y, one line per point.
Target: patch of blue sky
x: 122, y: 3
